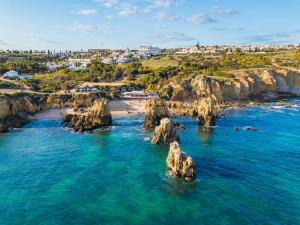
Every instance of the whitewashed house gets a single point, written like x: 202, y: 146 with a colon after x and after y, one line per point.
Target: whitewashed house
x: 139, y: 95
x: 11, y: 74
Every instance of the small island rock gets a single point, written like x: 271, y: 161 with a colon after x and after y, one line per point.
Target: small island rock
x: 165, y: 133
x: 206, y: 111
x: 179, y: 163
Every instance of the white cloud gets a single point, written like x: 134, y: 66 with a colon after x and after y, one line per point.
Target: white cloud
x: 86, y: 28
x: 163, y: 16
x: 109, y: 17
x: 108, y: 3
x: 171, y: 37
x: 3, y: 43
x: 128, y: 9
x: 162, y: 3
x: 37, y: 37
x: 87, y: 12
x: 224, y: 12
x: 201, y: 18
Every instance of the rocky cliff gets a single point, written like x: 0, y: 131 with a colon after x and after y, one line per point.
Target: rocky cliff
x: 14, y: 109
x: 245, y: 85
x: 97, y: 116
x: 179, y: 163
x: 156, y: 109
x: 165, y: 133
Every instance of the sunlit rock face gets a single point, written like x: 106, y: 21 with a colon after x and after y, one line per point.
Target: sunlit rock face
x: 206, y: 108
x: 179, y: 163
x: 97, y: 116
x: 165, y: 133
x: 156, y: 109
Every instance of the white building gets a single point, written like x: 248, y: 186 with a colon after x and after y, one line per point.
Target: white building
x: 139, y: 95
x: 149, y: 50
x: 108, y: 60
x: 78, y: 63
x: 15, y: 75
x: 11, y: 74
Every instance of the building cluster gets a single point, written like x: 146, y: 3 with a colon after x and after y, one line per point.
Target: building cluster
x: 14, y: 75
x: 122, y: 57
x: 235, y: 48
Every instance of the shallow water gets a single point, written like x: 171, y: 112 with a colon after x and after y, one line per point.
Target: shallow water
x: 49, y: 175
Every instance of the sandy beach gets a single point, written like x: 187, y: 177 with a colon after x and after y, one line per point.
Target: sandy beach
x: 118, y: 108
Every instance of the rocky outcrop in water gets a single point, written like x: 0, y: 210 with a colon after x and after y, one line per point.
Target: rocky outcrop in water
x: 206, y: 108
x: 98, y: 116
x: 165, y: 133
x: 156, y: 109
x: 179, y: 163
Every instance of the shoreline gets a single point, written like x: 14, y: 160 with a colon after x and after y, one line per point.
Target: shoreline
x: 118, y: 108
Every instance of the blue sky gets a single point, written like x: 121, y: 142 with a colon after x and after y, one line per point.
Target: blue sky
x: 82, y: 24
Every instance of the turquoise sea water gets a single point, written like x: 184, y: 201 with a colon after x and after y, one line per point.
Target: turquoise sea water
x: 49, y: 175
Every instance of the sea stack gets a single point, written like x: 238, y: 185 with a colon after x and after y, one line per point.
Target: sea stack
x: 97, y: 116
x: 179, y: 163
x: 156, y: 109
x: 206, y: 111
x: 165, y: 133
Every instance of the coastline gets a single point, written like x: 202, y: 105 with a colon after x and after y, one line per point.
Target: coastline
x: 118, y: 108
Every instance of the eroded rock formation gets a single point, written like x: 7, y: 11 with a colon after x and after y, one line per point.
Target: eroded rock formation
x: 97, y: 116
x: 165, y: 133
x: 14, y: 110
x: 156, y: 109
x: 179, y: 163
x: 206, y: 108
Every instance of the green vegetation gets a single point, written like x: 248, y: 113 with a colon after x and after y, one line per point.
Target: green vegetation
x: 153, y: 73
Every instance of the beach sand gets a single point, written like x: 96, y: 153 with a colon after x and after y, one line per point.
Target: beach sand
x: 117, y: 108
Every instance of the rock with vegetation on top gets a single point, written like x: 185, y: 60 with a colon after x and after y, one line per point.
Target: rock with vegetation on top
x: 97, y: 116
x: 206, y: 111
x: 179, y: 163
x: 165, y: 133
x: 156, y: 109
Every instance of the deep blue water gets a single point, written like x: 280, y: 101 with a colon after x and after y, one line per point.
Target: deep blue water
x: 49, y: 175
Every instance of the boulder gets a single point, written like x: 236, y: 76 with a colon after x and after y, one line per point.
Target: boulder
x: 155, y: 110
x: 179, y: 163
x: 97, y: 116
x: 165, y: 133
x: 206, y: 111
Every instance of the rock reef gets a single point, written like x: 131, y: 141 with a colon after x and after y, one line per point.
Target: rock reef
x: 179, y: 163
x: 98, y: 116
x: 165, y: 133
x: 156, y: 109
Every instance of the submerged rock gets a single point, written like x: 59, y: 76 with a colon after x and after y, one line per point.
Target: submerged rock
x: 97, y: 116
x: 165, y: 133
x: 179, y: 163
x: 156, y: 109
x: 206, y: 111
